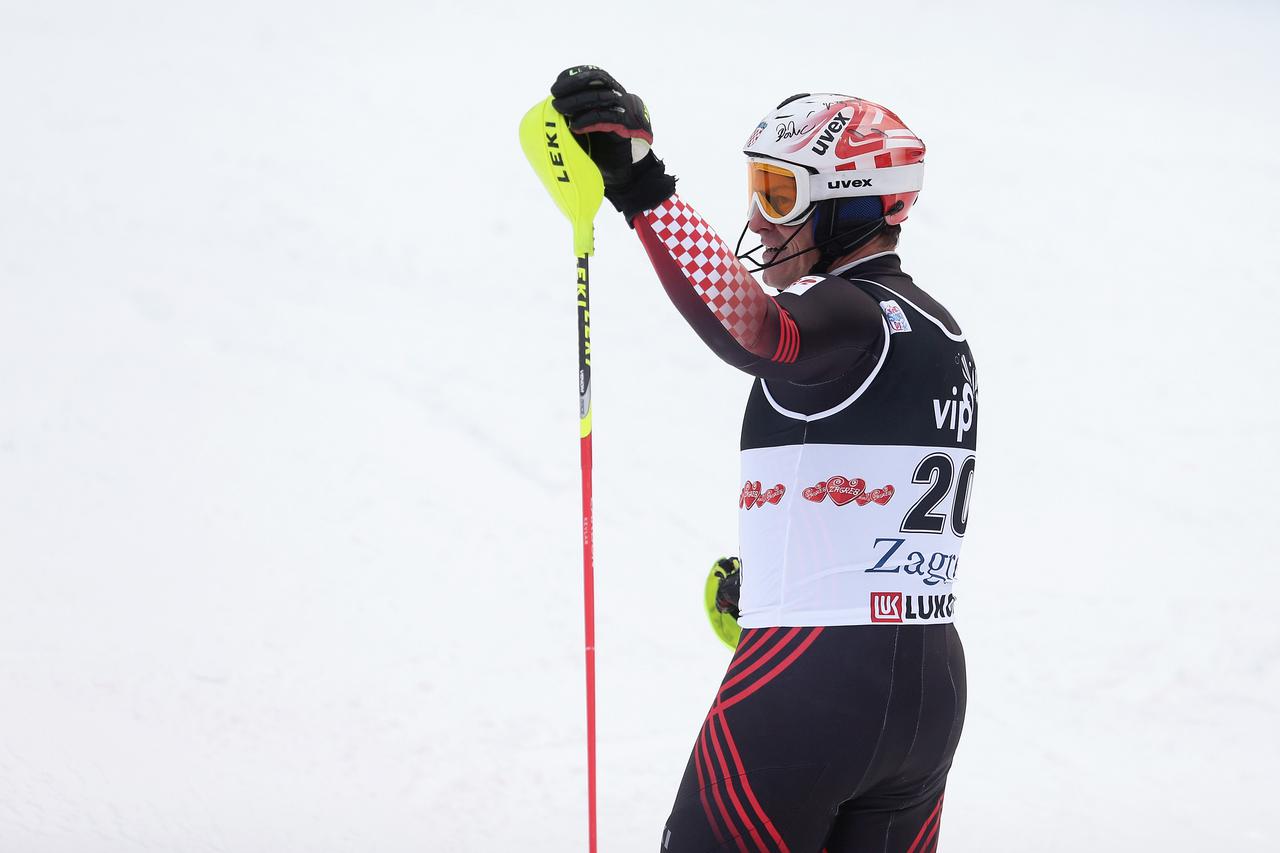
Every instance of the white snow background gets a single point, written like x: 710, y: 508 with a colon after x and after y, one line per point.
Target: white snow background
x: 289, y: 544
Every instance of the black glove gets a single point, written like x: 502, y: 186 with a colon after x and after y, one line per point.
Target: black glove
x: 612, y: 126
x: 729, y: 570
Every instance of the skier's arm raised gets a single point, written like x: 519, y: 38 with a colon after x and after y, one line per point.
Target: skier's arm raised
x: 812, y: 338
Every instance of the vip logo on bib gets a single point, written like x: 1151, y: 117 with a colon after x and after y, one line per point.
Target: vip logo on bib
x: 753, y: 495
x: 957, y: 413
x: 844, y: 491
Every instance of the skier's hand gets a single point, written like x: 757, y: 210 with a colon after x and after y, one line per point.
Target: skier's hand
x: 608, y: 121
x: 720, y: 596
x: 612, y: 126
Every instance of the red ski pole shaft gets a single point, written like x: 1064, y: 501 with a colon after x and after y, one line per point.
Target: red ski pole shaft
x: 588, y: 571
x: 577, y: 187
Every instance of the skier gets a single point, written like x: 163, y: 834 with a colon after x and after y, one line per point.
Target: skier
x: 835, y: 725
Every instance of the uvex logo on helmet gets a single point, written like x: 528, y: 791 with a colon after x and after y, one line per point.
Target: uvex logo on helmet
x: 828, y: 135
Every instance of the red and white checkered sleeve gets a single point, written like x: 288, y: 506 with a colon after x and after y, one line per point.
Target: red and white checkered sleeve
x: 691, y: 258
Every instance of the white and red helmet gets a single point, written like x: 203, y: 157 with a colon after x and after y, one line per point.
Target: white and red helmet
x: 842, y: 147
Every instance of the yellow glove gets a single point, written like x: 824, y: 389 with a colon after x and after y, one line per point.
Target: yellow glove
x: 721, y: 599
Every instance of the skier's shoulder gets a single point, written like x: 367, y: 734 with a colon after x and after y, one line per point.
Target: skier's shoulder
x: 805, y: 283
x: 814, y: 284
x: 823, y: 300
x: 832, y: 314
x: 825, y: 292
x: 848, y: 280
x: 886, y: 272
x: 924, y: 303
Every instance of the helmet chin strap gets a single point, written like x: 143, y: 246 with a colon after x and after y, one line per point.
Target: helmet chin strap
x: 746, y: 257
x: 856, y: 238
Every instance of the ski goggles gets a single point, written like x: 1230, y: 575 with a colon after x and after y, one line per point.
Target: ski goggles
x: 784, y: 193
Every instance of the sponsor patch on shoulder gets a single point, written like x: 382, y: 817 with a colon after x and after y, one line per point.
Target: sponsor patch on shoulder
x: 800, y: 285
x: 894, y: 315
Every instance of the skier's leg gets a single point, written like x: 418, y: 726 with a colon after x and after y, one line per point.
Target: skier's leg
x: 914, y: 829
x: 901, y: 811
x: 813, y: 722
x: 762, y: 809
x: 773, y: 758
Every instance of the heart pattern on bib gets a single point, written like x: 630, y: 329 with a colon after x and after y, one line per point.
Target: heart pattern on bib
x: 844, y: 491
x: 753, y: 495
x: 817, y: 493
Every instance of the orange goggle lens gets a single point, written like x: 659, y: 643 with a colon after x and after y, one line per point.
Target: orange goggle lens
x: 774, y: 186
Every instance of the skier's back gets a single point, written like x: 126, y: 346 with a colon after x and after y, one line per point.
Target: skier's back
x: 836, y: 722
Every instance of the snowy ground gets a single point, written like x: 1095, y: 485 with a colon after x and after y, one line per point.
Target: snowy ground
x: 288, y: 458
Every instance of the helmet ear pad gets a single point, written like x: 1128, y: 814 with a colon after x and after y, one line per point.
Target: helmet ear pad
x: 851, y: 217
x: 837, y: 214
